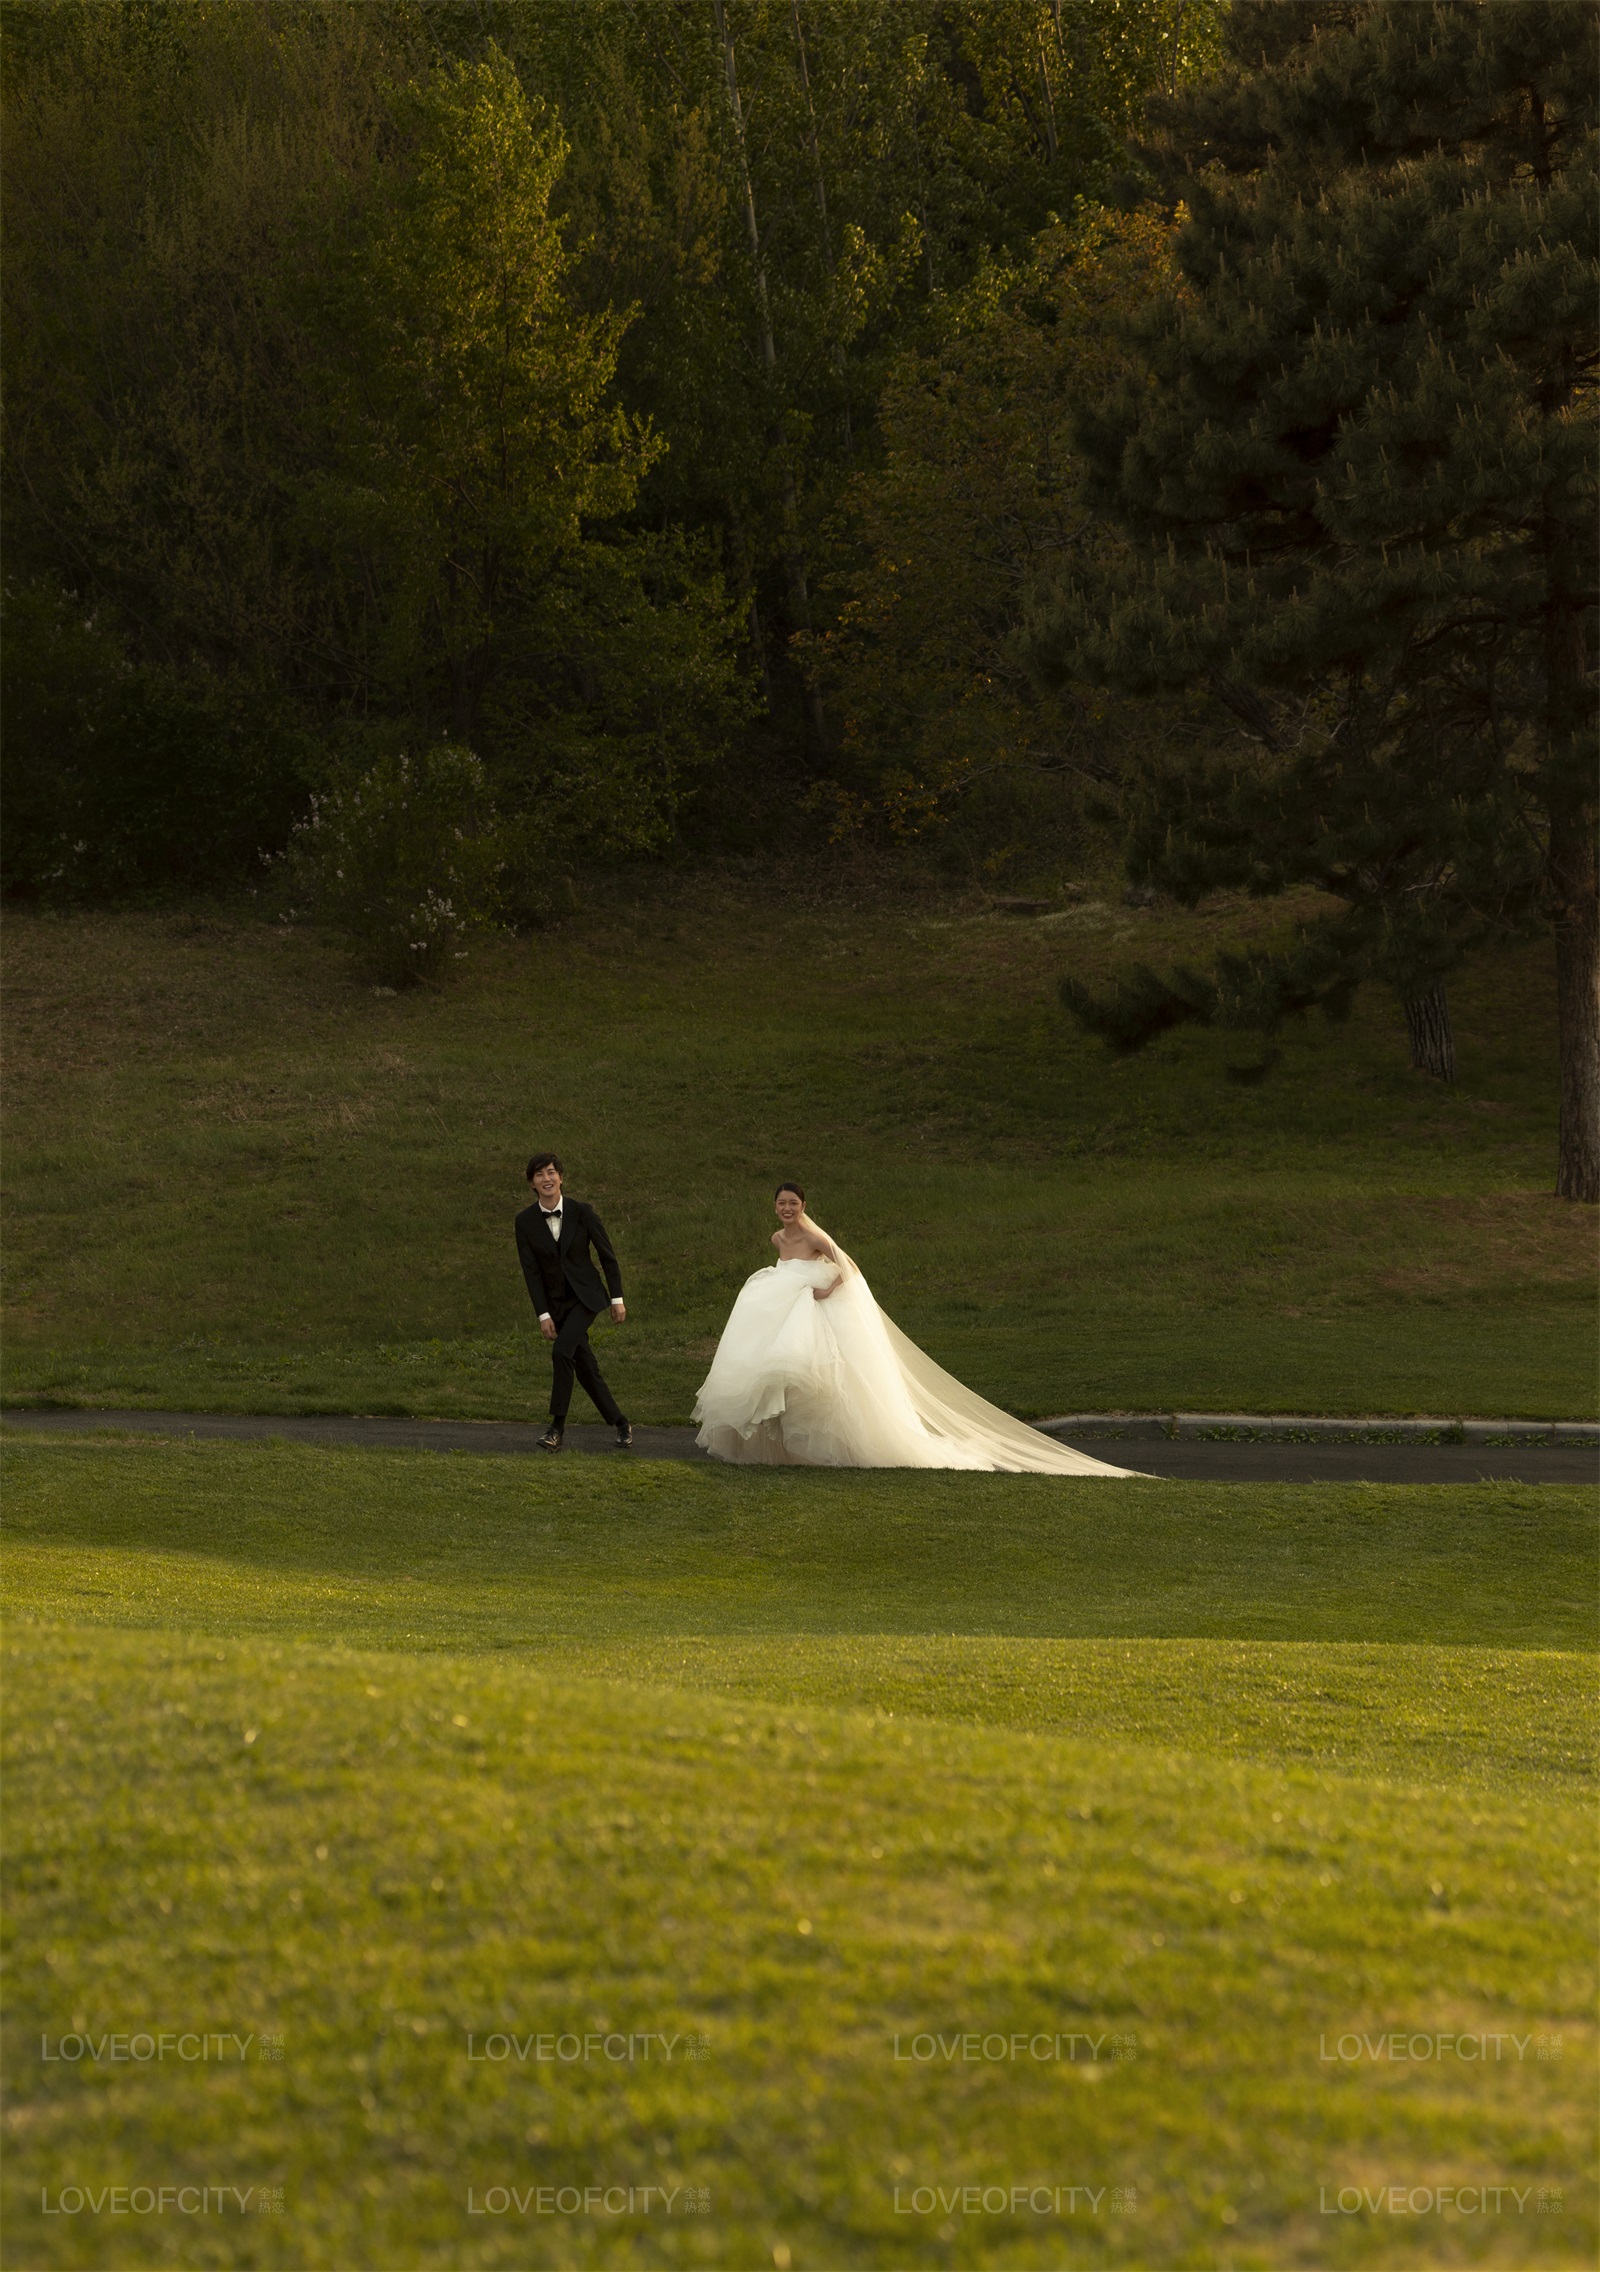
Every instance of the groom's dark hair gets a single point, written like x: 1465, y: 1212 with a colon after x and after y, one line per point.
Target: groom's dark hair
x: 544, y: 1160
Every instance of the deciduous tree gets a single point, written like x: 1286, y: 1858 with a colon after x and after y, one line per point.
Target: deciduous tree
x: 976, y: 505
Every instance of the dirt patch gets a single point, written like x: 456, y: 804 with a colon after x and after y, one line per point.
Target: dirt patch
x: 1478, y: 1241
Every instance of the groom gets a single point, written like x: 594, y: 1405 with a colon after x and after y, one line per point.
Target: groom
x: 553, y: 1241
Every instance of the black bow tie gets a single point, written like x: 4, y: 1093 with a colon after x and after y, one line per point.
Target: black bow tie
x: 549, y: 1213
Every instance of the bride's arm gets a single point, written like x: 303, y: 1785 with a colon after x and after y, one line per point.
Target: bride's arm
x: 825, y: 1253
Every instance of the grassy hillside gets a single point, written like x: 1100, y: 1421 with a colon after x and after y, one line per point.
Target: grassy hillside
x: 377, y: 1756
x: 238, y: 1178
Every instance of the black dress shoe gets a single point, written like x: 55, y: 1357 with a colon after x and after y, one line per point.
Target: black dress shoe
x: 624, y: 1435
x: 550, y: 1441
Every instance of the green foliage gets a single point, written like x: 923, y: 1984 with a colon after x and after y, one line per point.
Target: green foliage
x: 1252, y: 992
x: 1359, y: 467
x: 404, y: 857
x: 976, y: 506
x: 480, y: 474
x: 471, y: 433
x: 313, y: 407
x: 166, y: 176
x: 791, y: 201
x: 126, y: 778
x: 610, y: 711
x: 496, y: 372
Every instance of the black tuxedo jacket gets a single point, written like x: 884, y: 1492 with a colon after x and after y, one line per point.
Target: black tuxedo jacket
x: 566, y: 1273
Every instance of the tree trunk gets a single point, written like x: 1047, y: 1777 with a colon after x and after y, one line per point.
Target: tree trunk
x: 730, y: 69
x: 758, y: 641
x: 1573, y: 871
x: 835, y: 351
x: 1572, y: 860
x: 794, y: 566
x: 1433, y: 1048
x: 1052, y: 143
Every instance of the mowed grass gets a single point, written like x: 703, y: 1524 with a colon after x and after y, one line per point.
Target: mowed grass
x: 387, y: 1754
x: 238, y: 1178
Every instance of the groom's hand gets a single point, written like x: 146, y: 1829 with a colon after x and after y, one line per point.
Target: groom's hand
x: 619, y: 1310
x: 547, y: 1326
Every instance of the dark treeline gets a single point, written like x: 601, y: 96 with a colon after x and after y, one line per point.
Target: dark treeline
x: 456, y: 442
x: 565, y: 380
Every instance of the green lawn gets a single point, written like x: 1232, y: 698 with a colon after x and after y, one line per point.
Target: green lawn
x: 389, y: 1754
x: 238, y: 1179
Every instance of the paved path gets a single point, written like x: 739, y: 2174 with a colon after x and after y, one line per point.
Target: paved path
x: 1192, y: 1459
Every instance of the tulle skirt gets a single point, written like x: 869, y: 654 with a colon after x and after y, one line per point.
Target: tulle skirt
x: 800, y: 1383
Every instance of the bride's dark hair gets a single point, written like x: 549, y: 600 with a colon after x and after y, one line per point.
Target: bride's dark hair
x: 794, y: 1187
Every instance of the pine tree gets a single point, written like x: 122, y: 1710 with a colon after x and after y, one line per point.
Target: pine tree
x: 1359, y: 465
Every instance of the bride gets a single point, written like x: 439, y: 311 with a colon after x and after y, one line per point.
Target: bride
x: 810, y: 1373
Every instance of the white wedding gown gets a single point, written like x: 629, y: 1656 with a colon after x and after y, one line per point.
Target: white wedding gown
x: 800, y: 1383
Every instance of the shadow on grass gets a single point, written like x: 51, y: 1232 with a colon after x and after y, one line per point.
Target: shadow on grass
x: 410, y: 1549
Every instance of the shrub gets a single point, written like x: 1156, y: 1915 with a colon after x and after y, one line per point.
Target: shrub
x: 405, y: 857
x: 122, y: 778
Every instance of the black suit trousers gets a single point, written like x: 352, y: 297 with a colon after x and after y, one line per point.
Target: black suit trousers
x: 572, y: 1358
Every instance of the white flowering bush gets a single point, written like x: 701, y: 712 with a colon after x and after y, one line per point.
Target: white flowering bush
x: 405, y: 857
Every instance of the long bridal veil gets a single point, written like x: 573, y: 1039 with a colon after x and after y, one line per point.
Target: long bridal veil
x: 948, y: 1409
